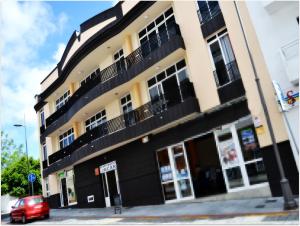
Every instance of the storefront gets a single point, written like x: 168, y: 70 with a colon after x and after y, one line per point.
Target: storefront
x: 226, y: 159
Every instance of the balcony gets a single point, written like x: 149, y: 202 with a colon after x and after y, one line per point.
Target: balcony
x: 229, y: 83
x: 138, y: 61
x: 210, y: 16
x: 140, y: 121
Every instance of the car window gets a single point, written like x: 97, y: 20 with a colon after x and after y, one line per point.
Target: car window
x: 22, y: 203
x: 36, y: 200
x: 17, y: 204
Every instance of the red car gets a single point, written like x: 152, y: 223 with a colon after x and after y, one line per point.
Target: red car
x: 30, y: 207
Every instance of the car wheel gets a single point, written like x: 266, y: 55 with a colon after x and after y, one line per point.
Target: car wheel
x: 24, y: 219
x: 11, y: 219
x: 47, y: 216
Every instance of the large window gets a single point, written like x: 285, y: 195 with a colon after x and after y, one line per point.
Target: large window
x: 163, y: 26
x: 44, y: 148
x: 62, y: 100
x: 42, y: 117
x: 47, y: 188
x: 119, y: 60
x: 169, y: 84
x: 66, y: 138
x: 95, y: 120
x: 223, y: 59
x: 126, y: 105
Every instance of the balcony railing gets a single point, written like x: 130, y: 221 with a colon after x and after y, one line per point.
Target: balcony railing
x: 227, y: 74
x: 137, y: 56
x: 206, y: 14
x: 132, y: 118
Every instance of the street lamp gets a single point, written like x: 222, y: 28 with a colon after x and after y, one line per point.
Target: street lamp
x: 28, y: 168
x: 289, y: 201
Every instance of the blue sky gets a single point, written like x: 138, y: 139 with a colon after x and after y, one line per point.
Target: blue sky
x: 35, y: 36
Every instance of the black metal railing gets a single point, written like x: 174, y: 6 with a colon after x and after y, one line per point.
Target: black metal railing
x: 206, y: 13
x: 225, y: 74
x: 132, y: 118
x: 118, y: 69
x: 42, y: 129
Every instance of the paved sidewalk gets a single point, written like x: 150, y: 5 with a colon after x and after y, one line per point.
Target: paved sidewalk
x: 213, y: 208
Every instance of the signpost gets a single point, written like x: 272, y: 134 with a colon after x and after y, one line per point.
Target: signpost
x: 31, y: 179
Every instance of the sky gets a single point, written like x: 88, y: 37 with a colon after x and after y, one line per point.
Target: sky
x: 33, y: 37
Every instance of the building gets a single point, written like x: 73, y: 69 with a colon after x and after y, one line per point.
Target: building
x: 280, y: 20
x: 156, y: 102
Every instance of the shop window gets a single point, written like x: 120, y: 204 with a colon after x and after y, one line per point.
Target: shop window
x: 252, y: 155
x: 70, y: 187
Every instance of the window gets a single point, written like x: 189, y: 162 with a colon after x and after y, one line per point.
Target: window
x: 44, y: 148
x: 90, y: 77
x: 119, y: 60
x: 66, y: 138
x: 207, y: 10
x: 42, y: 117
x: 62, y: 100
x: 159, y: 87
x: 223, y: 59
x: 22, y: 203
x: 126, y: 105
x: 163, y: 26
x: 47, y: 187
x: 95, y: 120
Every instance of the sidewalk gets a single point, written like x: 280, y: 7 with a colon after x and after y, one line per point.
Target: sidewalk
x: 216, y: 209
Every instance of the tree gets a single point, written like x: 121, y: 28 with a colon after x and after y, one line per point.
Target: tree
x: 14, y: 169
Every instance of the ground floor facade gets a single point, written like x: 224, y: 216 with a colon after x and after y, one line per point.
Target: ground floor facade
x: 215, y: 153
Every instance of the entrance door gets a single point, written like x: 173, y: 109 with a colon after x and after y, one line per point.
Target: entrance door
x: 110, y: 182
x: 64, y: 194
x: 174, y: 173
x: 171, y: 91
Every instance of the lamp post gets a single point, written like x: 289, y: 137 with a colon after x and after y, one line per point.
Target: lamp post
x: 28, y: 166
x: 289, y: 201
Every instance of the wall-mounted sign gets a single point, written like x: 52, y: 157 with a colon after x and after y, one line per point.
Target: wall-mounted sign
x: 61, y: 175
x: 90, y: 198
x: 108, y: 167
x: 287, y: 98
x: 97, y: 171
x: 258, y: 125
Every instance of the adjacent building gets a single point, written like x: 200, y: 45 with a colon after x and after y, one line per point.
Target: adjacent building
x: 156, y: 102
x: 276, y: 24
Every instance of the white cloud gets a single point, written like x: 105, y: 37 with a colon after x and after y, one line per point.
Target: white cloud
x: 59, y: 52
x: 25, y: 27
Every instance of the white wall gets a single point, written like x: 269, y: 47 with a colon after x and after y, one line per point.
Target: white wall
x: 276, y: 25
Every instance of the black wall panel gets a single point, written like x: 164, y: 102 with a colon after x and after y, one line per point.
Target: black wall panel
x: 289, y: 165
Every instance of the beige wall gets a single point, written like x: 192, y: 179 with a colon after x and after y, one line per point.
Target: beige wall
x: 247, y: 74
x: 51, y: 78
x: 199, y: 64
x: 113, y: 109
x: 127, y: 5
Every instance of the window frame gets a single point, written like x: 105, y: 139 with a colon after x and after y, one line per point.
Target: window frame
x: 61, y: 101
x: 102, y: 119
x: 66, y: 137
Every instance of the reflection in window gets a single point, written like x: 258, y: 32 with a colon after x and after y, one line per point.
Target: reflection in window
x: 70, y: 185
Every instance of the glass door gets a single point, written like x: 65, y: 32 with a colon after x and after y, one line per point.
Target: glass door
x: 175, y: 174
x: 230, y: 158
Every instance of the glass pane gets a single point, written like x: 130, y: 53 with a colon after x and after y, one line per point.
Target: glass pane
x: 256, y: 172
x: 184, y: 188
x: 249, y: 143
x: 154, y: 96
x: 180, y: 164
x: 228, y: 152
x: 70, y: 186
x: 234, y: 177
x: 169, y: 191
x: 164, y: 165
x: 227, y: 49
x: 104, y: 185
